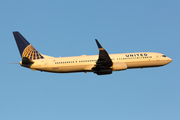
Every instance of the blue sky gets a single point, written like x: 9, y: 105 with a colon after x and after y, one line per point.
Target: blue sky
x: 68, y: 28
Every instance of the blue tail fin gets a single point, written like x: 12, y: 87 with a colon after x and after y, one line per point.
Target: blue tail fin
x: 25, y: 48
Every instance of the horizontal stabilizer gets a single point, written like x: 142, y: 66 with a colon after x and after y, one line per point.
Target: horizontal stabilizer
x: 26, y: 61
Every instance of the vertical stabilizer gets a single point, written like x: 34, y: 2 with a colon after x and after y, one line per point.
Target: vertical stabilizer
x: 25, y: 48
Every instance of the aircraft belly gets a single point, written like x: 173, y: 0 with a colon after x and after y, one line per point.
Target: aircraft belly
x: 152, y: 63
x: 139, y: 64
x: 66, y: 69
x: 71, y: 68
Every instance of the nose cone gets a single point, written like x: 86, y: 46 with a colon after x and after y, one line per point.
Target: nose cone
x: 169, y: 60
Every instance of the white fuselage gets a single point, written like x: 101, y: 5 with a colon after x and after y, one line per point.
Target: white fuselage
x: 85, y: 63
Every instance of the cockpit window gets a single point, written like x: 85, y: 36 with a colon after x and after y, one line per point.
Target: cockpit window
x: 163, y: 56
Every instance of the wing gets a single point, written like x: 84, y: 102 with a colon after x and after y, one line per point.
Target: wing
x: 103, y: 63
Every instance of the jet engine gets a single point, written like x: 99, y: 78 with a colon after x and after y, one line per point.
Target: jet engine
x: 104, y: 72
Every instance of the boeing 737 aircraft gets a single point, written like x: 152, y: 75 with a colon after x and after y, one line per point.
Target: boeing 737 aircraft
x: 101, y: 64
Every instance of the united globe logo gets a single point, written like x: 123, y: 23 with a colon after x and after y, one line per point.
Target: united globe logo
x: 31, y: 53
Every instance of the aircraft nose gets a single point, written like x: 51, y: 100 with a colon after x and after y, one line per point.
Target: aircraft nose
x: 169, y: 59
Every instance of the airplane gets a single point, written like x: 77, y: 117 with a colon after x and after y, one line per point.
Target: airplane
x: 102, y: 64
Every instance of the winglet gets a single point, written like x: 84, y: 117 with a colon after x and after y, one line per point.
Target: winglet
x: 99, y: 45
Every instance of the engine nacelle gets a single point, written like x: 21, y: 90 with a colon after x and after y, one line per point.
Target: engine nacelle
x: 104, y: 72
x: 119, y: 66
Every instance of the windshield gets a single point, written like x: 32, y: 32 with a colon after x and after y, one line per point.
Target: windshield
x: 163, y: 56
